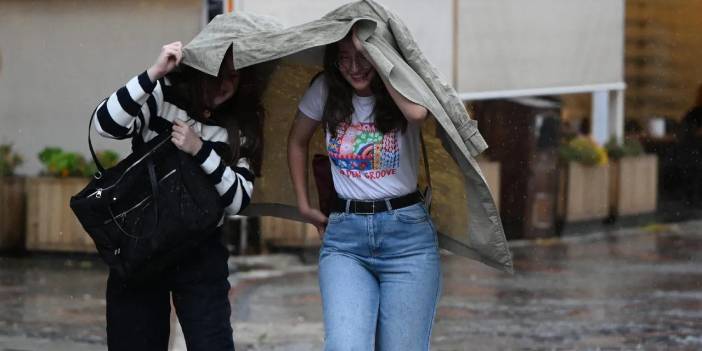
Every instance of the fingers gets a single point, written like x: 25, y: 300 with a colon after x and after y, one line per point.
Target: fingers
x: 170, y: 56
x: 185, y: 138
x: 354, y: 37
x: 178, y: 132
x: 177, y: 140
x: 323, y: 218
x: 179, y: 57
x: 173, y: 50
x: 180, y: 127
x: 173, y: 53
x: 174, y: 46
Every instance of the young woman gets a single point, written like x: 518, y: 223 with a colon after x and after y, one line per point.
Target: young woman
x: 379, y: 269
x: 212, y: 119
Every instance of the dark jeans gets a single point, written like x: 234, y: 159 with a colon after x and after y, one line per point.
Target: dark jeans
x: 138, y: 317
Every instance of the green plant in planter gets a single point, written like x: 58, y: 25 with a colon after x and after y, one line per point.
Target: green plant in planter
x: 48, y: 153
x: 629, y: 148
x: 9, y: 160
x: 583, y: 150
x: 60, y: 163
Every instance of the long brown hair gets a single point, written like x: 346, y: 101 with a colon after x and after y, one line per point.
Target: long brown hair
x: 243, y: 114
x: 339, y: 107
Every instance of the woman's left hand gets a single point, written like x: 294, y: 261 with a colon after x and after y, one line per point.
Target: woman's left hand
x: 357, y: 42
x: 185, y: 138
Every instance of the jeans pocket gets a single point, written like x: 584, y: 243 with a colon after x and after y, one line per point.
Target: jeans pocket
x: 412, y: 214
x: 336, y: 217
x: 435, y: 233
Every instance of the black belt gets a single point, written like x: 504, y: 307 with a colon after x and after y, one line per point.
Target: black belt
x: 377, y: 206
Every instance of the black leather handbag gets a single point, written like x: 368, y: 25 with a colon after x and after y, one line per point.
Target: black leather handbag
x: 148, y: 211
x: 321, y: 169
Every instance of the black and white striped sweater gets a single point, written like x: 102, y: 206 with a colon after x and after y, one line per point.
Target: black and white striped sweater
x: 142, y: 102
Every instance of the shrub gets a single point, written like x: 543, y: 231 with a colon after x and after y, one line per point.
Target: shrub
x: 60, y: 163
x: 629, y: 148
x: 9, y: 160
x: 583, y: 150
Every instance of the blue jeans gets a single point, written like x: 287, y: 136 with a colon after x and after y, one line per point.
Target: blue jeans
x: 380, y: 278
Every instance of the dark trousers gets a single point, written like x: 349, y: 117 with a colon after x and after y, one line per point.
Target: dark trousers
x: 138, y: 317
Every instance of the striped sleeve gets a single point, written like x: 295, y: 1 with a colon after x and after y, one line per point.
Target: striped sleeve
x: 234, y: 184
x: 115, y: 116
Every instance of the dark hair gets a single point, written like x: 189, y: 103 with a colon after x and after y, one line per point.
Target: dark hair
x: 338, y: 107
x: 242, y: 114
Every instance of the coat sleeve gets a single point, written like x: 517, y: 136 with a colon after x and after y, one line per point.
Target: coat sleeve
x: 446, y: 95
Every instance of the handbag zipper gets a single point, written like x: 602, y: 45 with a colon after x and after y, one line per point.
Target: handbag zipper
x: 124, y: 213
x: 98, y: 192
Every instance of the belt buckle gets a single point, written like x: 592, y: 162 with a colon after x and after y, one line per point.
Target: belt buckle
x: 355, y: 208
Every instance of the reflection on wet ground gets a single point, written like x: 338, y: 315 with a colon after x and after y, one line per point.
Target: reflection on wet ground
x: 631, y: 289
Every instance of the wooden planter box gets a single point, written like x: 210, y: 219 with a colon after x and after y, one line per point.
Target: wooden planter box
x: 12, y: 213
x: 584, y: 193
x: 491, y: 171
x: 634, y: 185
x: 280, y: 232
x: 51, y: 224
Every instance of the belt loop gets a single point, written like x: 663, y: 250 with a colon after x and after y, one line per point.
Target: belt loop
x: 348, y: 205
x: 388, y: 205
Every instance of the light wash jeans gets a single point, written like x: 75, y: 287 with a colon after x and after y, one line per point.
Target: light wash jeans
x: 380, y: 278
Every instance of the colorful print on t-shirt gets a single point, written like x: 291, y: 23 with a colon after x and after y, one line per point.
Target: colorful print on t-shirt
x: 360, y: 147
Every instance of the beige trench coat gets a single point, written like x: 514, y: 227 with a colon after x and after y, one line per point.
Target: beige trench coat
x: 463, y: 208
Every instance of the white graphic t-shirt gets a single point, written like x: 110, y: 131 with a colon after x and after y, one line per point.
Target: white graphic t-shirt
x: 366, y: 165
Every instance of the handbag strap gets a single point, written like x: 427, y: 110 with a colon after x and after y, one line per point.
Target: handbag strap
x: 99, y: 165
x: 427, y: 192
x: 154, y: 189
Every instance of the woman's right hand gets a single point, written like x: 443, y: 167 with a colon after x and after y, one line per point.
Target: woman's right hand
x: 316, y: 218
x: 167, y: 60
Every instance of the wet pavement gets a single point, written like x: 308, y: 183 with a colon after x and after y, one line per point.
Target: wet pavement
x: 630, y: 289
